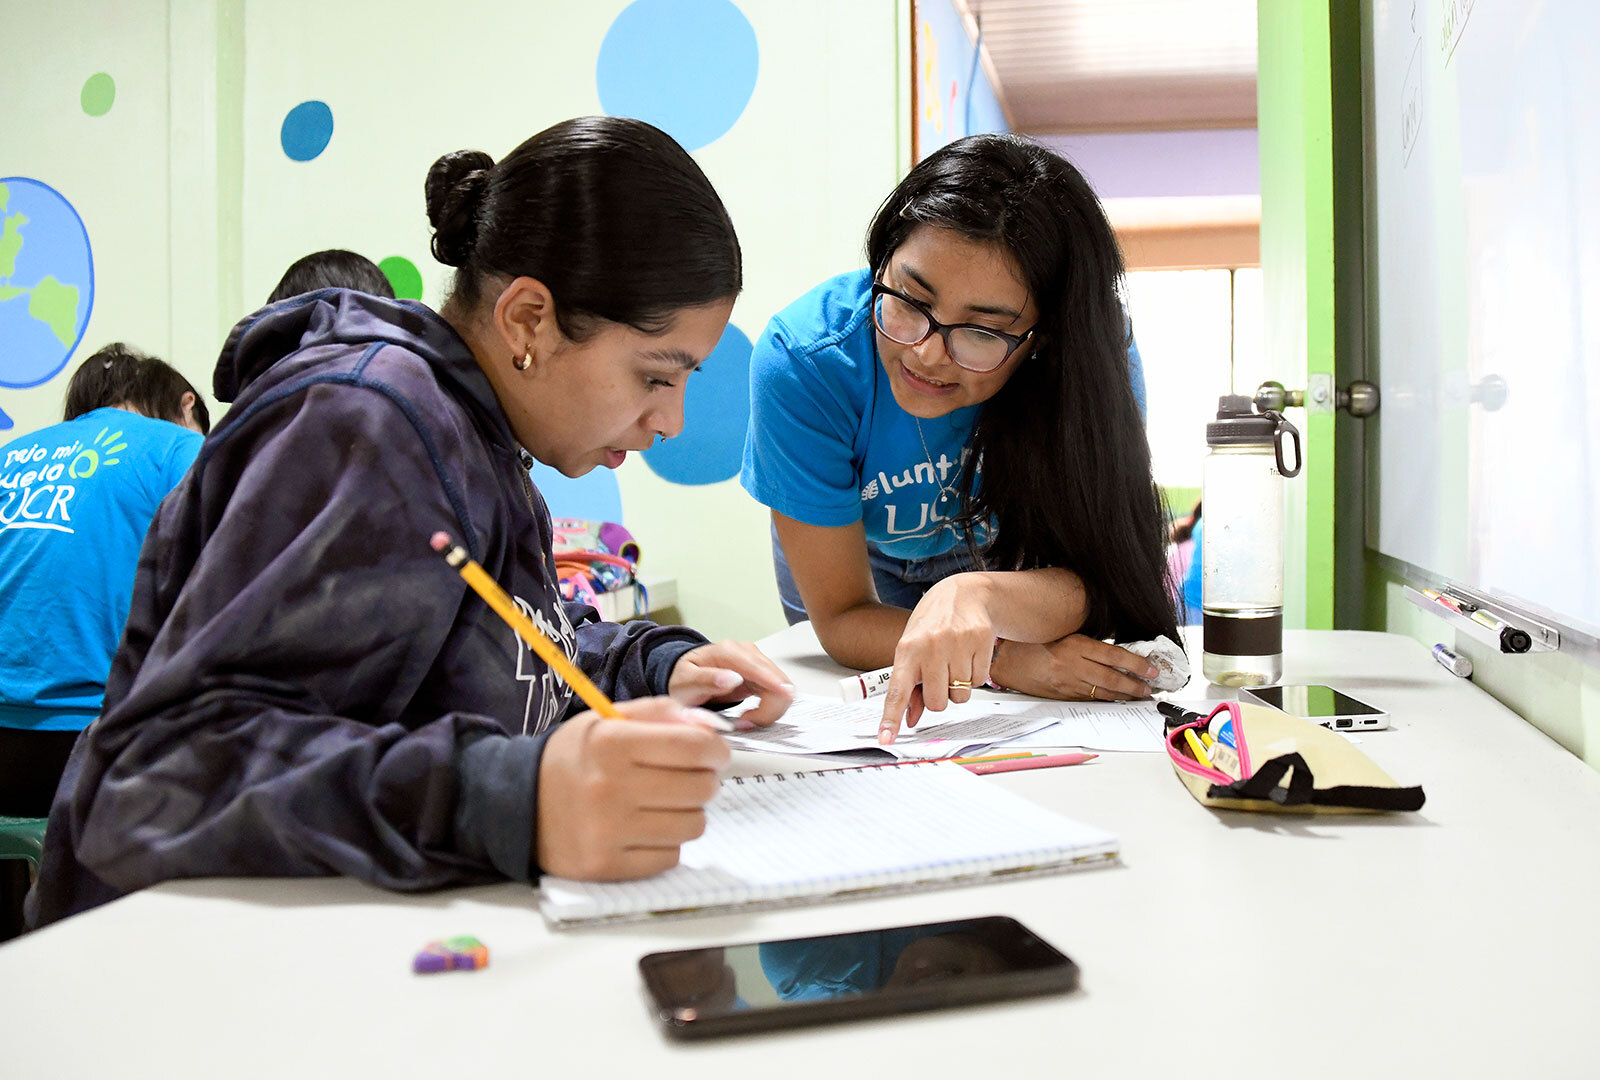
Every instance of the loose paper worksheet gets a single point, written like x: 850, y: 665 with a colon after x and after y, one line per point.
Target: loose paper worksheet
x: 822, y: 725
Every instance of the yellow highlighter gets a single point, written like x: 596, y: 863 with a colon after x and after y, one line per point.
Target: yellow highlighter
x: 1195, y: 748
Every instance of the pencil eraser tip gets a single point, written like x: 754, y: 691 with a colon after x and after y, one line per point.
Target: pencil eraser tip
x: 440, y: 541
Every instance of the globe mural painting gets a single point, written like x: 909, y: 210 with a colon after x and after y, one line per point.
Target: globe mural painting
x: 46, y: 282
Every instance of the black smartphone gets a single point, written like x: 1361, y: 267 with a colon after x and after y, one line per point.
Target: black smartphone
x: 734, y: 989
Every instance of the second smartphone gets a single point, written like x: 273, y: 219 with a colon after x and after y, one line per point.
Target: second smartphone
x: 734, y: 989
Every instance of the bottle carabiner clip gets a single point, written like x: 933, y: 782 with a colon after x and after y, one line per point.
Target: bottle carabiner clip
x: 1285, y: 428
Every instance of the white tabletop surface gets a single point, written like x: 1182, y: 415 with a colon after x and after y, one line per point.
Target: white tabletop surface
x: 1459, y: 941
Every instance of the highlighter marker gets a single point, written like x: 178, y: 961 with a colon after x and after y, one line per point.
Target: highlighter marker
x: 1195, y: 748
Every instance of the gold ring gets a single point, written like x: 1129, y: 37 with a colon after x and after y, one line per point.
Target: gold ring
x: 961, y: 684
x: 1092, y: 690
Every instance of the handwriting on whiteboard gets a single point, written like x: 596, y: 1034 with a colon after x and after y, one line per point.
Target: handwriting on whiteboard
x: 1452, y: 25
x: 1411, y: 104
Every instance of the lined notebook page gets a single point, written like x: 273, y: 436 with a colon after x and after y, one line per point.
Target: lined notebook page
x: 779, y: 839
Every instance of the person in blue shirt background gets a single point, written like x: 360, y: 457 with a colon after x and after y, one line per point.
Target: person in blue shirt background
x: 952, y: 446
x: 75, y: 502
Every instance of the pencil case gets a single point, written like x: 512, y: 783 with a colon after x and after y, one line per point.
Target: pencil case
x: 1284, y: 765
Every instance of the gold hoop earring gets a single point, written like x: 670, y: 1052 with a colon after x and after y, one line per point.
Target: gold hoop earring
x: 525, y: 361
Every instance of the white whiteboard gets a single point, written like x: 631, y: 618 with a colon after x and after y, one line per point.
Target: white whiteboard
x: 1482, y: 182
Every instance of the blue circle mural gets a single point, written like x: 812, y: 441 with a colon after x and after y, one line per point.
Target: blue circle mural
x: 686, y: 66
x: 716, y: 411
x: 594, y: 496
x: 306, y: 130
x: 46, y: 281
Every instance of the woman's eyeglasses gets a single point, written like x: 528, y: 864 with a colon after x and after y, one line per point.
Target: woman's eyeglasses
x: 976, y: 348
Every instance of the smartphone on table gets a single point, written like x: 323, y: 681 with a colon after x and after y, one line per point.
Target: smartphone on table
x: 734, y: 989
x: 1321, y: 705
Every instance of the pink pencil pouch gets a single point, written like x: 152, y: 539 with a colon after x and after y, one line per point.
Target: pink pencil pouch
x: 1284, y: 764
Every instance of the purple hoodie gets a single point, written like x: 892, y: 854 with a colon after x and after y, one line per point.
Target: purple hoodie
x: 304, y: 687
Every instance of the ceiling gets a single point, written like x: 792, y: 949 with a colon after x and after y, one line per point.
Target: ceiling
x: 1120, y: 65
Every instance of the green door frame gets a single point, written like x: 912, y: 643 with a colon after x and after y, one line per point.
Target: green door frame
x: 1295, y: 123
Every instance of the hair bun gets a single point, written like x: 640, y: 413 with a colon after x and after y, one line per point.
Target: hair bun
x: 455, y: 189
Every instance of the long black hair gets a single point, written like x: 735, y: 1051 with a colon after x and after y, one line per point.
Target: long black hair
x: 121, y: 375
x: 1065, y: 464
x: 613, y: 217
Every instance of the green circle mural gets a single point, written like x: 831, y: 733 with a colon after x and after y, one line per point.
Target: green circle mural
x: 99, y: 91
x: 404, y: 277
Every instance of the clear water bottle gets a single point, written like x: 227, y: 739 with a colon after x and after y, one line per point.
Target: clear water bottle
x: 1241, y: 551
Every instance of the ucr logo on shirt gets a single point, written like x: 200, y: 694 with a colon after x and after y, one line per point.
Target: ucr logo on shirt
x: 88, y: 460
x: 933, y: 510
x: 34, y: 497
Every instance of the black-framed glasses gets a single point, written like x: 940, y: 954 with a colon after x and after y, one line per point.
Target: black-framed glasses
x: 976, y: 348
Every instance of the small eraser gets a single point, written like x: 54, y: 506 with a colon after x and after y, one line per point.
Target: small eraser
x: 461, y: 953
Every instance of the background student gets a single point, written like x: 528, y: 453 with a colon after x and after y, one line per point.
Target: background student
x: 75, y: 501
x: 305, y: 687
x: 334, y: 268
x: 952, y: 446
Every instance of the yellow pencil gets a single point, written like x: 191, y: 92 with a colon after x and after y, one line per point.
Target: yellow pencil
x: 990, y: 757
x: 1206, y: 740
x: 537, y: 640
x: 1196, y: 749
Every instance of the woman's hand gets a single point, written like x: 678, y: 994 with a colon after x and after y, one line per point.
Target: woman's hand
x: 617, y: 798
x: 1075, y: 668
x: 943, y: 653
x: 728, y: 672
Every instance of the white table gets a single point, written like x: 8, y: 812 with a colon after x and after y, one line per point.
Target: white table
x: 1459, y: 941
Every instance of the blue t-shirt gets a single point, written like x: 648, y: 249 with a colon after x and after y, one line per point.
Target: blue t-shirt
x: 75, y: 502
x: 828, y: 444
x: 1192, y: 579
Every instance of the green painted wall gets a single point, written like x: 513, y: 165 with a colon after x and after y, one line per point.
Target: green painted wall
x: 194, y: 210
x: 1294, y: 118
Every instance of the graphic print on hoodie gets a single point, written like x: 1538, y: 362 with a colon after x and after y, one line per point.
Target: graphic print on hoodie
x: 303, y: 686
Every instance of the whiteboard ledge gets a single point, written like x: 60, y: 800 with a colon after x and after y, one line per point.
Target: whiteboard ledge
x: 1545, y: 639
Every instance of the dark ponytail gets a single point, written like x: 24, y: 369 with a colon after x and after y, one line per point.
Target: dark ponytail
x: 1066, y: 466
x: 122, y: 375
x: 613, y: 217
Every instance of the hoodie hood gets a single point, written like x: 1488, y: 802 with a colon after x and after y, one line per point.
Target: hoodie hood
x: 343, y: 317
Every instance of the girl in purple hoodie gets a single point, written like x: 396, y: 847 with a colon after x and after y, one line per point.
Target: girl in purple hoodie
x: 304, y: 687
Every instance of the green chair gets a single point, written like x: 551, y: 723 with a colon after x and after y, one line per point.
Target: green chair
x: 22, y: 838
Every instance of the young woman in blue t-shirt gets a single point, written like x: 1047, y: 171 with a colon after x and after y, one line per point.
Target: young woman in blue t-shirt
x: 952, y: 446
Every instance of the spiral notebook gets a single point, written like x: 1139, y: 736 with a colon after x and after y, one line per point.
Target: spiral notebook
x: 809, y: 837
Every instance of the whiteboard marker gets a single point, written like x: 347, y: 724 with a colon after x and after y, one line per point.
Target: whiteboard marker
x: 1454, y: 664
